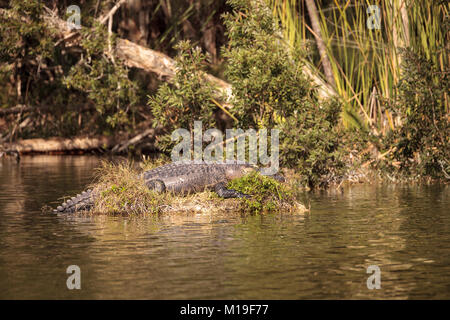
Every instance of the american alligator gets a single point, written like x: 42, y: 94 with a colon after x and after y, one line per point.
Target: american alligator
x: 179, y: 178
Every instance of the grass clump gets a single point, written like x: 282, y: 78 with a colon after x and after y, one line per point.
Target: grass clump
x: 267, y: 195
x: 120, y: 190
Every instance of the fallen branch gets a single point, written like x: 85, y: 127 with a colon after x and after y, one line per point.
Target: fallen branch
x: 134, y: 55
x: 60, y: 144
x: 22, y: 108
x: 133, y: 141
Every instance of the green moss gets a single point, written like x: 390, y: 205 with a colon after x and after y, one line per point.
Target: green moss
x: 267, y: 194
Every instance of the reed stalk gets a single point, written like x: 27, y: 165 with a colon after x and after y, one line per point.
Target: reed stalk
x: 366, y: 63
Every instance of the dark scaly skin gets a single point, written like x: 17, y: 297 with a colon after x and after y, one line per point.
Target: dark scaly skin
x: 81, y: 202
x: 179, y: 178
x: 184, y: 178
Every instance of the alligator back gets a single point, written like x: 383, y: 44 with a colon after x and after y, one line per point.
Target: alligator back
x: 179, y: 177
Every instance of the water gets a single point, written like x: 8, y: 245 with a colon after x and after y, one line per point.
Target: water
x: 322, y: 255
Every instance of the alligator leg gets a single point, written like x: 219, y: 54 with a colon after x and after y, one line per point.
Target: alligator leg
x: 223, y: 192
x: 83, y: 201
x: 278, y: 177
x: 156, y: 185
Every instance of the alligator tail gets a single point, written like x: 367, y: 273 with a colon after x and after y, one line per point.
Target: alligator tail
x: 82, y: 202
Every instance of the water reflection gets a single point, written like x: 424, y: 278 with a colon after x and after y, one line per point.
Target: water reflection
x: 402, y: 229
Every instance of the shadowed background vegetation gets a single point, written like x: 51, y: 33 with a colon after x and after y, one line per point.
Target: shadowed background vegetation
x: 387, y: 89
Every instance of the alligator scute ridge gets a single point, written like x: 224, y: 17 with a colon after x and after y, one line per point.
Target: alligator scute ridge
x: 81, y: 202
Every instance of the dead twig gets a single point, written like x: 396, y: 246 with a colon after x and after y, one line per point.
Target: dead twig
x: 112, y: 11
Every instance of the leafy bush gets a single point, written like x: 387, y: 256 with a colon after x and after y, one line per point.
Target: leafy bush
x: 185, y: 98
x: 311, y: 143
x: 107, y: 84
x: 270, y: 90
x: 422, y: 142
x: 25, y: 47
x: 55, y: 78
x: 267, y: 194
x: 267, y: 80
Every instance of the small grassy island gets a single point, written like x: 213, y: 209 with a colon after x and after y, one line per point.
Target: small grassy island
x: 121, y: 191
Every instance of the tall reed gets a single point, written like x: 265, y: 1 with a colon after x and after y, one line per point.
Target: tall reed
x: 366, y: 62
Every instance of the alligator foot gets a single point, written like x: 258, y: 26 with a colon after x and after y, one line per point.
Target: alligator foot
x: 223, y: 192
x: 156, y: 185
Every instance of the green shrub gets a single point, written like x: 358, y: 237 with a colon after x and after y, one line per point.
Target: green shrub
x: 106, y: 83
x: 422, y: 141
x: 270, y: 90
x: 267, y: 194
x: 186, y: 97
x: 62, y: 78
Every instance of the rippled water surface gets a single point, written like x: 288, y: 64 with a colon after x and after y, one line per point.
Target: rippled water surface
x: 323, y: 255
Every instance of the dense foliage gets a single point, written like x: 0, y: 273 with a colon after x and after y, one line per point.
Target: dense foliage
x: 106, y: 83
x: 399, y: 112
x: 270, y: 90
x: 54, y: 77
x: 187, y: 97
x: 422, y: 143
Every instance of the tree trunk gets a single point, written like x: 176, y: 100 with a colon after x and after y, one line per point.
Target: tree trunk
x: 312, y: 11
